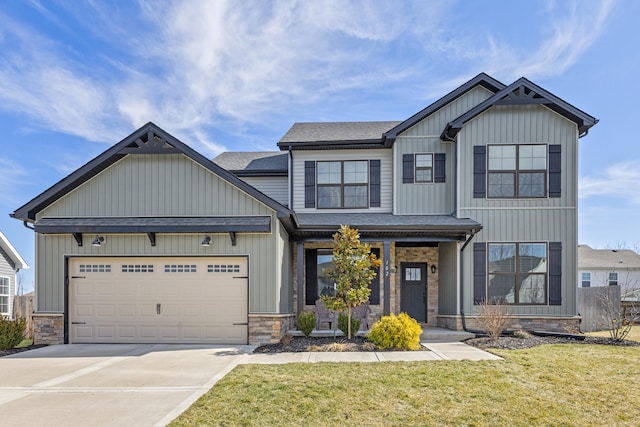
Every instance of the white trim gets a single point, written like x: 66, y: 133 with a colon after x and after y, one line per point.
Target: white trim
x: 8, y: 295
x: 21, y: 264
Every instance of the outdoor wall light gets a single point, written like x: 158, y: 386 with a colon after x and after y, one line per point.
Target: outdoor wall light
x: 206, y: 241
x: 98, y: 241
x: 433, y: 268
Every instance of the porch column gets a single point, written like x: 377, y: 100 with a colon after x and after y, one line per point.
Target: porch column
x: 300, y: 275
x: 386, y: 268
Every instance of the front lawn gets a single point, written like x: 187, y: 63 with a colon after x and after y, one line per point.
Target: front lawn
x: 634, y: 335
x: 565, y: 384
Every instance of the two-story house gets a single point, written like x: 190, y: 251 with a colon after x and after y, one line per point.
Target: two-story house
x: 473, y: 198
x: 608, y: 267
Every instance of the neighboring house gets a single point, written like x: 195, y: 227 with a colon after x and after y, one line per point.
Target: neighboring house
x: 472, y: 198
x: 10, y: 264
x: 605, y: 267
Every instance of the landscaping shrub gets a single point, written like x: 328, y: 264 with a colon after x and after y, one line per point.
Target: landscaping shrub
x: 401, y: 332
x: 306, y: 322
x: 343, y: 324
x: 11, y: 332
x: 522, y: 334
x: 494, y: 317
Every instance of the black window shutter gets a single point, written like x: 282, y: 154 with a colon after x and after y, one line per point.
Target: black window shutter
x: 374, y: 297
x: 407, y: 168
x: 311, y: 276
x: 439, y: 164
x: 479, y: 171
x: 309, y: 184
x: 479, y: 272
x: 555, y: 273
x: 555, y: 170
x: 374, y: 183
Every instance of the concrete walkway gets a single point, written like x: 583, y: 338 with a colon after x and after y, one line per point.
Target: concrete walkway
x: 438, y: 351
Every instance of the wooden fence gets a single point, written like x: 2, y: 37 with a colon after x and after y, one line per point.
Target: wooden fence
x: 593, y: 305
x: 23, y: 307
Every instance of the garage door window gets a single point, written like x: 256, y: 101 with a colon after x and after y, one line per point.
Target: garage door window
x: 95, y: 268
x: 180, y: 268
x: 137, y: 268
x: 223, y: 268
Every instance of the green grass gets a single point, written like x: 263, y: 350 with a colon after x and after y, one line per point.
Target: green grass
x: 25, y: 343
x: 634, y: 335
x: 568, y: 384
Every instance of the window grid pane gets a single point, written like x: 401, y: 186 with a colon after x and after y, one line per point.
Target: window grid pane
x: 517, y: 171
x: 517, y: 273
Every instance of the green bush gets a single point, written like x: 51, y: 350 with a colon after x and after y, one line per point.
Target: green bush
x: 306, y: 322
x: 343, y: 324
x: 398, y: 332
x: 11, y: 332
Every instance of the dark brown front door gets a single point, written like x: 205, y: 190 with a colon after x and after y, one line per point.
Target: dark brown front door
x: 413, y: 290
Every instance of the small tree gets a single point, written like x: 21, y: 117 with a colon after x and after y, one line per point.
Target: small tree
x: 352, y: 272
x: 493, y: 317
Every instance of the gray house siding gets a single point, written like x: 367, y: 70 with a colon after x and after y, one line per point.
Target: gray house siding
x: 424, y: 137
x: 523, y: 220
x: 160, y: 185
x: 386, y: 176
x: 448, y: 291
x: 7, y: 269
x: 276, y: 187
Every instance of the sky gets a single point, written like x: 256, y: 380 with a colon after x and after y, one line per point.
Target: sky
x: 76, y: 77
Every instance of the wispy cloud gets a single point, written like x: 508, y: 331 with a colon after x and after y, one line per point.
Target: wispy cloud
x: 12, y: 177
x: 618, y: 180
x: 196, y: 66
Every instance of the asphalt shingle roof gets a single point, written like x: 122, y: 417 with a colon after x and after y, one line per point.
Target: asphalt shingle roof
x: 252, y: 161
x: 337, y: 131
x: 607, y: 258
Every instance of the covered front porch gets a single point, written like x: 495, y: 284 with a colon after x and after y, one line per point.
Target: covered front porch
x: 420, y: 262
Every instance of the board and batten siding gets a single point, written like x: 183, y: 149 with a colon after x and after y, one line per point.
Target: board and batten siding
x: 7, y: 269
x: 160, y: 185
x: 386, y: 162
x: 523, y: 220
x: 448, y: 273
x: 424, y: 137
x: 433, y: 198
x: 276, y: 187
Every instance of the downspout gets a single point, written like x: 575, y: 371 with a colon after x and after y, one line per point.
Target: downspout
x: 473, y: 233
x: 290, y: 173
x: 28, y: 226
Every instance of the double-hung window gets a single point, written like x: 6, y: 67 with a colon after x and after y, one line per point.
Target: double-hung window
x: 424, y: 167
x: 586, y: 280
x: 343, y: 185
x: 613, y: 279
x: 4, y: 295
x: 517, y: 171
x: 517, y: 273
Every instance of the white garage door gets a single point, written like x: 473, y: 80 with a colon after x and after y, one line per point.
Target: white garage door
x: 158, y: 300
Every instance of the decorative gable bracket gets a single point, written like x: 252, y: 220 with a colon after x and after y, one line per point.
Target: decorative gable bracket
x: 522, y: 95
x: 151, y: 143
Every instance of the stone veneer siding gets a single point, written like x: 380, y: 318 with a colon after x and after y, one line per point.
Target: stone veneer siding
x: 269, y: 328
x: 48, y: 328
x: 567, y: 324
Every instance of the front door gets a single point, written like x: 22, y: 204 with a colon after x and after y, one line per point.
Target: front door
x: 413, y: 290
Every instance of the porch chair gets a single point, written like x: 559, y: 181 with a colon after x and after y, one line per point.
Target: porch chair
x: 361, y: 313
x: 323, y: 314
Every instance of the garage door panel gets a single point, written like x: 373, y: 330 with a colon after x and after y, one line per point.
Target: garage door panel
x: 199, y: 300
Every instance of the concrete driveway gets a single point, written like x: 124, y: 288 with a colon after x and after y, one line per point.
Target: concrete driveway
x: 109, y: 385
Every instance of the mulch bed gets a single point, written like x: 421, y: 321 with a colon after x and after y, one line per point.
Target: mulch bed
x: 329, y: 344
x: 20, y: 350
x: 320, y: 344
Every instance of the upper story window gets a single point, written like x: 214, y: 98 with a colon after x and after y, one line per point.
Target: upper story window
x: 613, y: 279
x: 517, y: 171
x: 518, y: 272
x: 586, y: 280
x: 424, y: 167
x: 343, y: 184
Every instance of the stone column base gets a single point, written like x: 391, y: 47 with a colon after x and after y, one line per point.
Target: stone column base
x: 48, y: 328
x: 268, y: 328
x: 563, y: 324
